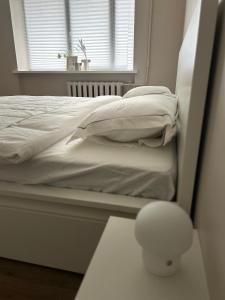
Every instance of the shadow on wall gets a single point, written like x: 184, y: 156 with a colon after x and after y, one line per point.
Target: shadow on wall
x: 9, y: 83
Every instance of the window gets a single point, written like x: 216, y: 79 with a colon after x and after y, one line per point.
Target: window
x: 55, y: 26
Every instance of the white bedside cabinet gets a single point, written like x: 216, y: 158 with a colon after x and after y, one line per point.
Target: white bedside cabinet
x: 116, y: 271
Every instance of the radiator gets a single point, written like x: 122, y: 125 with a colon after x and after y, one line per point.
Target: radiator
x: 93, y: 89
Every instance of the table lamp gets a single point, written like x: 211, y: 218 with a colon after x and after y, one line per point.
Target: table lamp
x: 164, y: 231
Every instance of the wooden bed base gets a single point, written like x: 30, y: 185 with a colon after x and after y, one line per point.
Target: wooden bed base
x: 59, y: 227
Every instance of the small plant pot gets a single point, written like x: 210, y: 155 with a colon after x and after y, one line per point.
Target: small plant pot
x: 85, y: 64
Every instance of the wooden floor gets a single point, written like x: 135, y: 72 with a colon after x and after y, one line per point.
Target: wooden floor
x: 21, y: 281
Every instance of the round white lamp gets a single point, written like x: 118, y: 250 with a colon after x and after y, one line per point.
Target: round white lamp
x: 165, y: 232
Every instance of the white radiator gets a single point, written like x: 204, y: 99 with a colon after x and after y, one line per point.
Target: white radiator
x: 93, y: 89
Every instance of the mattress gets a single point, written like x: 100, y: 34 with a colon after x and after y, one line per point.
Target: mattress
x: 97, y: 165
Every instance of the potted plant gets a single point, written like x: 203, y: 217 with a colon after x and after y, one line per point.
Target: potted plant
x: 84, y: 62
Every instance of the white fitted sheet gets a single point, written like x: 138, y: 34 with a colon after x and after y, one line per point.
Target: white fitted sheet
x: 130, y: 169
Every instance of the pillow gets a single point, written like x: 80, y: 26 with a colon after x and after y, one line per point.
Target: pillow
x: 146, y: 90
x: 149, y: 119
x: 107, y: 98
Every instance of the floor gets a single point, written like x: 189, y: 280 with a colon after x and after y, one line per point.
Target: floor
x: 21, y: 281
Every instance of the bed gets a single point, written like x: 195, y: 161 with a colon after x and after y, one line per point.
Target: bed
x: 53, y: 224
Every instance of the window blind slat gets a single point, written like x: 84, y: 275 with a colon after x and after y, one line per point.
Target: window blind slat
x: 124, y: 34
x: 90, y: 22
x: 46, y: 33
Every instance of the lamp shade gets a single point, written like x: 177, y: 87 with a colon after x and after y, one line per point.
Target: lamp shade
x: 164, y: 230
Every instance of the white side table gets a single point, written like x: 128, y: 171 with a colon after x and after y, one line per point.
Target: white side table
x: 116, y: 271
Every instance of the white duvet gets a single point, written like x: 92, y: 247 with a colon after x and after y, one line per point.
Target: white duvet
x: 31, y: 124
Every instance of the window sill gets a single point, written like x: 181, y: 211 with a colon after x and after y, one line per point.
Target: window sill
x: 76, y: 72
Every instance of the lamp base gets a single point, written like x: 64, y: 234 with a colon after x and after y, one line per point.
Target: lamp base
x: 160, y: 266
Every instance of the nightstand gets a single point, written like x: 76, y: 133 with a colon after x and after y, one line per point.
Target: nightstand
x: 116, y: 271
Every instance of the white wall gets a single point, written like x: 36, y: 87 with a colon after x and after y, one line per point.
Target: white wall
x: 9, y: 83
x: 166, y: 37
x: 159, y: 31
x: 210, y: 215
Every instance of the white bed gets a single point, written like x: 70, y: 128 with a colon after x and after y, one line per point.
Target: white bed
x: 60, y: 227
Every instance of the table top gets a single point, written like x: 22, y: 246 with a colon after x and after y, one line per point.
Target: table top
x: 116, y: 271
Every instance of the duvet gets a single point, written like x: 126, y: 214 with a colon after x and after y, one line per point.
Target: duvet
x: 31, y: 124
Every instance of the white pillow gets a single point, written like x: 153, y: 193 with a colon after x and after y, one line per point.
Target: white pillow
x: 149, y: 119
x: 146, y: 90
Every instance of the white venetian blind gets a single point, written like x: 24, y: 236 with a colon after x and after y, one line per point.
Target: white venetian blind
x: 46, y: 33
x: 124, y: 34
x: 105, y: 26
x: 90, y: 21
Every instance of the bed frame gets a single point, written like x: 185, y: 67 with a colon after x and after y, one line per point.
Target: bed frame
x: 59, y: 227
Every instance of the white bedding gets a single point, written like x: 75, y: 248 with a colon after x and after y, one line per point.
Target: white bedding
x: 29, y: 125
x: 109, y: 167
